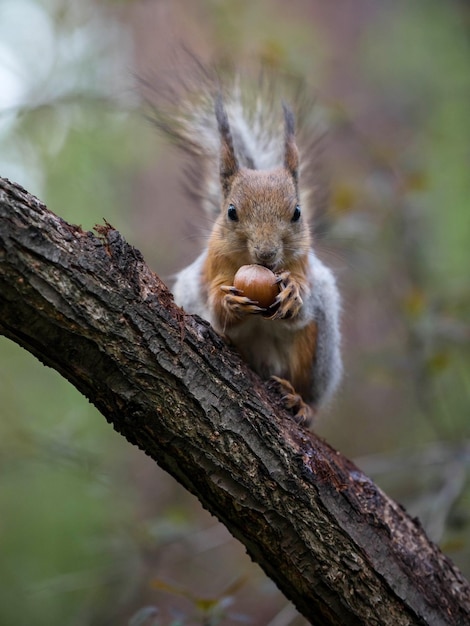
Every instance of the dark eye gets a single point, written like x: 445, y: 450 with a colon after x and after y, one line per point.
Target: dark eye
x: 232, y: 213
x: 296, y: 214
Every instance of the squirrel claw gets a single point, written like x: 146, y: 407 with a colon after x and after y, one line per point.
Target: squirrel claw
x: 239, y: 305
x: 282, y: 278
x: 288, y: 302
x: 231, y: 289
x: 304, y: 414
x: 278, y: 313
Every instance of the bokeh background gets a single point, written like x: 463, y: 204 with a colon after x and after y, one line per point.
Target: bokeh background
x: 91, y: 531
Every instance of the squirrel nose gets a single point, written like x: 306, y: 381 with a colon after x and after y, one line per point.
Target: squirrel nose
x: 266, y: 256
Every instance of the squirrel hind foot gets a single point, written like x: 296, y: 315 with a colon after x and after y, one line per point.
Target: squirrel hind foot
x: 303, y: 413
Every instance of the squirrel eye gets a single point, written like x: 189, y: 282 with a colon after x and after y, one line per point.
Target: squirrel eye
x: 232, y: 213
x: 296, y: 214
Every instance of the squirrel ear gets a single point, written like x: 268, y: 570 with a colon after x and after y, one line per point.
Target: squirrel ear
x: 228, y: 160
x: 291, y: 153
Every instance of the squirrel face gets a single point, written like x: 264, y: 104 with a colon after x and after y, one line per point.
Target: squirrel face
x: 262, y: 220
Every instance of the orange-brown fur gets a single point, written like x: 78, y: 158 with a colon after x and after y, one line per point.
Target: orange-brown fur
x: 303, y: 352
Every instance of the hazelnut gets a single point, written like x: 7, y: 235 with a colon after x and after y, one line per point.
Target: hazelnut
x: 257, y: 283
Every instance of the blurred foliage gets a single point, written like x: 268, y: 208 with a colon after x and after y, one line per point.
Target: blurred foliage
x: 89, y: 528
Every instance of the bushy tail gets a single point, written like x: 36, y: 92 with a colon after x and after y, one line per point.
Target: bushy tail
x: 183, y: 109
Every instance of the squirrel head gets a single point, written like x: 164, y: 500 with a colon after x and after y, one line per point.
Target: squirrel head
x: 261, y: 218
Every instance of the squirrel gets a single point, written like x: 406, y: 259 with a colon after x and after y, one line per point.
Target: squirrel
x: 248, y: 169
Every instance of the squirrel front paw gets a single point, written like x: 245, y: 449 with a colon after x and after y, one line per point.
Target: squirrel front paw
x: 238, y: 305
x: 289, y: 301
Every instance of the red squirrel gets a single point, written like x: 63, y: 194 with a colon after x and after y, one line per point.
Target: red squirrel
x: 250, y: 173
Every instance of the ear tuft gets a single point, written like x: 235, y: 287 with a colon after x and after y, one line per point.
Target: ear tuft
x: 228, y: 160
x: 291, y: 153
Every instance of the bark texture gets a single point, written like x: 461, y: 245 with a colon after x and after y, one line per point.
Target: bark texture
x: 339, y: 548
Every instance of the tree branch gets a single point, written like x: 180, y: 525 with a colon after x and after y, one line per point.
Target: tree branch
x: 334, y: 543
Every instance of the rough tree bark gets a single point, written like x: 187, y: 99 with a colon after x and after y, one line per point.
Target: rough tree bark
x: 335, y: 544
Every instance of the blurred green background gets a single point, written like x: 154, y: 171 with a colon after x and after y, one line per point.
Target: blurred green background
x: 91, y: 531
